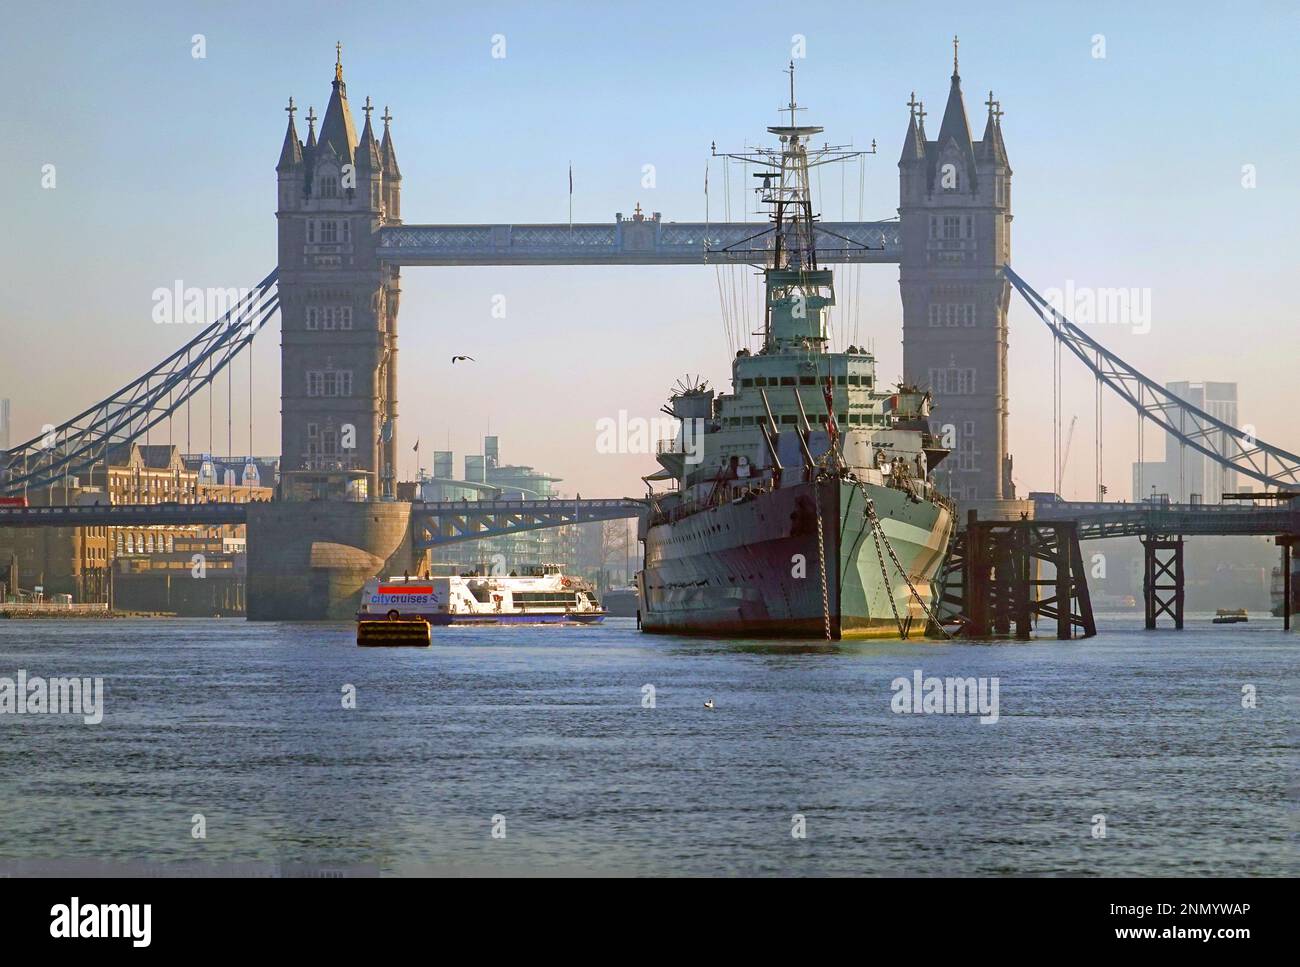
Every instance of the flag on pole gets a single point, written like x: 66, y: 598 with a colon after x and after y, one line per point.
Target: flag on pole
x: 570, y: 177
x: 416, y: 448
x: 828, y: 394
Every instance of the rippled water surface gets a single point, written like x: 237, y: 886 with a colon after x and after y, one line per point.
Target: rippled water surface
x: 545, y: 728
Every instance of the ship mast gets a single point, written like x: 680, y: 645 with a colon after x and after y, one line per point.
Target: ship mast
x: 788, y: 247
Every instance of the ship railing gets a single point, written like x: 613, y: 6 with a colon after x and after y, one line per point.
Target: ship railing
x: 718, y: 496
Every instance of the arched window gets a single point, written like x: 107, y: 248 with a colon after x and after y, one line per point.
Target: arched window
x: 329, y: 186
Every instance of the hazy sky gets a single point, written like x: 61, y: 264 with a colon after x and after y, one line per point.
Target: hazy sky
x: 1128, y: 173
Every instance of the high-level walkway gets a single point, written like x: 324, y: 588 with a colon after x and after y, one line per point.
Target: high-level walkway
x: 626, y: 242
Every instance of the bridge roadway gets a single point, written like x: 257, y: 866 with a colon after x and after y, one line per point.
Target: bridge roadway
x: 447, y: 522
x: 1098, y: 520
x: 627, y: 242
x: 434, y: 523
x: 123, y: 515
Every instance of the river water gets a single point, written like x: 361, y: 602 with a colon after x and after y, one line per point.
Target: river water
x: 543, y: 736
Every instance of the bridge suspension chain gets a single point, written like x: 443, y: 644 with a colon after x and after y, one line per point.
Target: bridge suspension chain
x: 1193, y: 427
x: 84, y: 441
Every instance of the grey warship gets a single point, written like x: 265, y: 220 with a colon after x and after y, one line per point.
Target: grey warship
x: 800, y: 504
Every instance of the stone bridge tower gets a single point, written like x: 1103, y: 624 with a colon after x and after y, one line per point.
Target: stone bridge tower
x: 955, y: 215
x: 338, y: 302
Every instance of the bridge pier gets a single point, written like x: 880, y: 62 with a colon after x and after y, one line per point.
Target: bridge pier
x: 1163, y: 579
x: 308, y: 560
x: 999, y: 565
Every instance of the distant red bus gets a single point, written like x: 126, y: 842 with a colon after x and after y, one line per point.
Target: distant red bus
x: 13, y: 501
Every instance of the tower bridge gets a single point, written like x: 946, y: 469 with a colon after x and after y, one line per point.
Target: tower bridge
x: 342, y: 242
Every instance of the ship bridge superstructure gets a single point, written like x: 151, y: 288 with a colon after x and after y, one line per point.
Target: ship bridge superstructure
x: 794, y: 406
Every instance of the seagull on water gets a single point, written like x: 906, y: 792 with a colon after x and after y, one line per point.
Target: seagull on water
x: 709, y: 704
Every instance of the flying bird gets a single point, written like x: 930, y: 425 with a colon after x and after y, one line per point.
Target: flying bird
x: 456, y: 359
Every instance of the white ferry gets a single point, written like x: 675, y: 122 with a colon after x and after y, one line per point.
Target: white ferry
x: 545, y: 596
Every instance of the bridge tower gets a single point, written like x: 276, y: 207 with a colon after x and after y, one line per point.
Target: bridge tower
x: 955, y: 216
x: 338, y: 302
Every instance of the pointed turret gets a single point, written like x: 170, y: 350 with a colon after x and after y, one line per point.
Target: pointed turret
x: 337, y: 129
x: 954, y: 131
x: 954, y: 123
x: 291, y: 153
x: 914, y: 140
x: 368, y: 158
x: 991, y: 147
x: 390, y: 156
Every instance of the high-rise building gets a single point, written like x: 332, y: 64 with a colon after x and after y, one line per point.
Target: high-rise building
x: 486, y: 478
x: 955, y: 217
x: 1186, y: 474
x: 4, y: 424
x: 338, y: 302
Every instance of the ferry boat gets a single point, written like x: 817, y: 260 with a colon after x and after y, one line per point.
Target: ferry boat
x: 801, y: 503
x: 545, y: 596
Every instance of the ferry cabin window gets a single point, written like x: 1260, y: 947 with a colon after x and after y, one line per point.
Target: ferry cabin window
x: 760, y: 380
x: 787, y: 381
x: 746, y: 382
x: 747, y: 420
x: 807, y: 381
x: 840, y: 380
x: 788, y: 418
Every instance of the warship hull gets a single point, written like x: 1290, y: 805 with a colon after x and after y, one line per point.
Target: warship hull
x: 749, y: 568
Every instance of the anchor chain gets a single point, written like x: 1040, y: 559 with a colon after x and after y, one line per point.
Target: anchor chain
x: 884, y: 573
x: 821, y: 557
x: 877, y: 525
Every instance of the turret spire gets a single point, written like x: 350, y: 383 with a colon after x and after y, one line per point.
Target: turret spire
x: 914, y: 140
x: 337, y: 130
x: 992, y: 147
x: 291, y: 153
x: 954, y: 131
x: 368, y: 155
x: 390, y: 156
